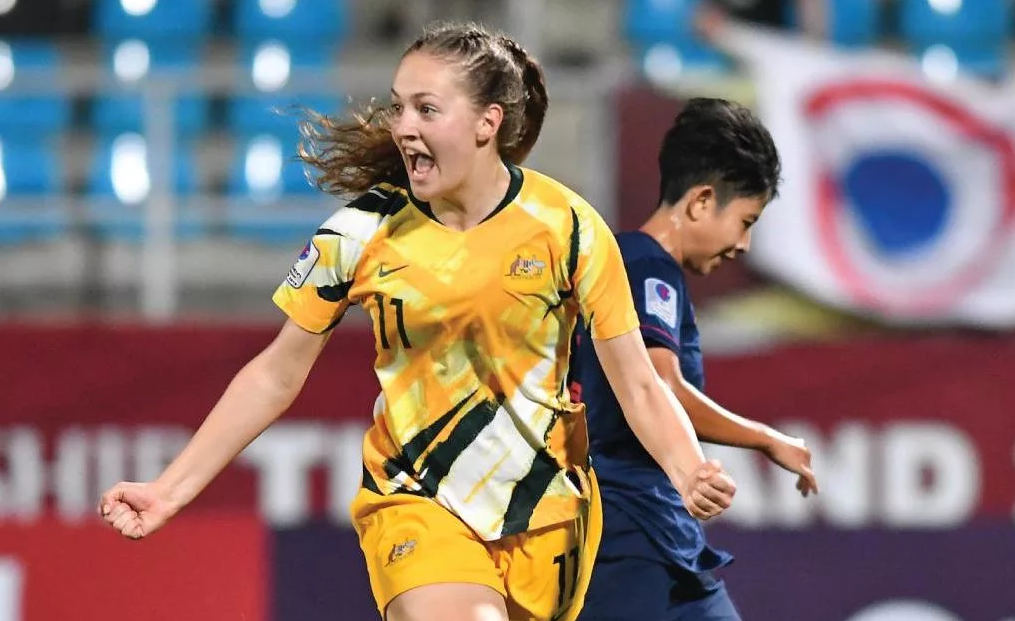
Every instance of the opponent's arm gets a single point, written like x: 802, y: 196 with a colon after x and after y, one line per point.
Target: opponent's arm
x: 662, y: 426
x: 715, y: 424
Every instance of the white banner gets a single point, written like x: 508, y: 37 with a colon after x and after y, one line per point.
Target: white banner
x: 899, y: 194
x: 11, y: 584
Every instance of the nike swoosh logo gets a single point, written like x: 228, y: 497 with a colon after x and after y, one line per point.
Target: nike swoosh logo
x: 381, y: 272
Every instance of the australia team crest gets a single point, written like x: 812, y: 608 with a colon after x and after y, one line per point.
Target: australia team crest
x: 526, y: 269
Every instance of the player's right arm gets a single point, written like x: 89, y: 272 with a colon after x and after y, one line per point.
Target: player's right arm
x: 262, y: 390
x: 315, y: 297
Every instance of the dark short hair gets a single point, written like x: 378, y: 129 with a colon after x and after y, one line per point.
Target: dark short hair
x: 719, y: 143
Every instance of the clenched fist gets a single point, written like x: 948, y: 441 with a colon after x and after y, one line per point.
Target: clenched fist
x: 708, y: 491
x: 136, y: 510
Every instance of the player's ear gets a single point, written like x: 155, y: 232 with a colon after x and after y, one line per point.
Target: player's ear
x: 701, y: 201
x: 489, y: 122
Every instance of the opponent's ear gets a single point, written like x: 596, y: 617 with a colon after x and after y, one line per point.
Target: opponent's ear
x: 701, y: 201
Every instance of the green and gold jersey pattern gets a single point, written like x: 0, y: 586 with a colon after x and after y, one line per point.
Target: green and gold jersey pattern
x: 472, y: 332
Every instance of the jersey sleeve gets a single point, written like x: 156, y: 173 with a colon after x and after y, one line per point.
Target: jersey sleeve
x: 315, y: 293
x: 600, y: 280
x: 658, y: 292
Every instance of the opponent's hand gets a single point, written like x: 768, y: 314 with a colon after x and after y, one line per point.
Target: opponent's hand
x: 708, y: 491
x: 793, y: 455
x: 135, y: 510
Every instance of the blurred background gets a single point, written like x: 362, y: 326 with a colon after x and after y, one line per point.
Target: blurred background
x: 150, y: 203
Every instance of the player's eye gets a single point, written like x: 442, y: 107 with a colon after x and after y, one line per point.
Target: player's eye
x: 427, y: 110
x: 396, y: 108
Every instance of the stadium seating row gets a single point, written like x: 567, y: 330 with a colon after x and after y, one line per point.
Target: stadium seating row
x: 267, y: 67
x: 251, y: 20
x: 148, y: 38
x: 978, y: 32
x: 119, y: 181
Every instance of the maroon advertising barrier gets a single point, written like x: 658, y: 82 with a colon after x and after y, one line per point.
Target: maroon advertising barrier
x: 912, y: 435
x: 204, y: 568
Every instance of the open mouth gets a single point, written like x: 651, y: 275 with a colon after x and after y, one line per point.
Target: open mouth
x: 420, y: 165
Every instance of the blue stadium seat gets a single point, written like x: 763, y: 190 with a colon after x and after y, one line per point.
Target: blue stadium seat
x: 119, y: 179
x: 131, y: 62
x: 275, y: 109
x: 30, y: 169
x: 264, y: 170
x: 654, y: 25
x: 308, y: 21
x: 265, y: 167
x: 153, y: 19
x: 30, y: 114
x: 977, y: 31
x: 852, y: 23
x: 278, y: 115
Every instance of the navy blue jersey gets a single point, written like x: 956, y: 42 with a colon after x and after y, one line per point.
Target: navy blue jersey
x: 648, y: 516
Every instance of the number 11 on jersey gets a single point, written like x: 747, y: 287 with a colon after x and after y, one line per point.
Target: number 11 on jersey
x: 382, y: 325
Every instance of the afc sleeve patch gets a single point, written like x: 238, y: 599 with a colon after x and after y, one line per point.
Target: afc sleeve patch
x: 300, y: 270
x: 661, y: 301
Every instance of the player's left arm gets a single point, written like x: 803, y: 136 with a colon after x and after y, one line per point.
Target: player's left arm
x: 714, y: 423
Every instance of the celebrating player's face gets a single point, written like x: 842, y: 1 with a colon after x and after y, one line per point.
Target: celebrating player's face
x: 723, y: 233
x: 434, y: 124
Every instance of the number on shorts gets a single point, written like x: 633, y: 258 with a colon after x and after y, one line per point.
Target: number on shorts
x: 566, y: 571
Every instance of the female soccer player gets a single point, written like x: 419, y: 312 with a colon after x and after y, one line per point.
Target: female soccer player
x: 718, y: 167
x: 477, y: 499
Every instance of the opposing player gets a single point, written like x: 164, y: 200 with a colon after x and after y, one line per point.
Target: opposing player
x: 719, y: 168
x: 477, y: 499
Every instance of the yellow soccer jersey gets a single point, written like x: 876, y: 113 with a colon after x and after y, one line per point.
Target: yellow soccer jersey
x: 472, y: 334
